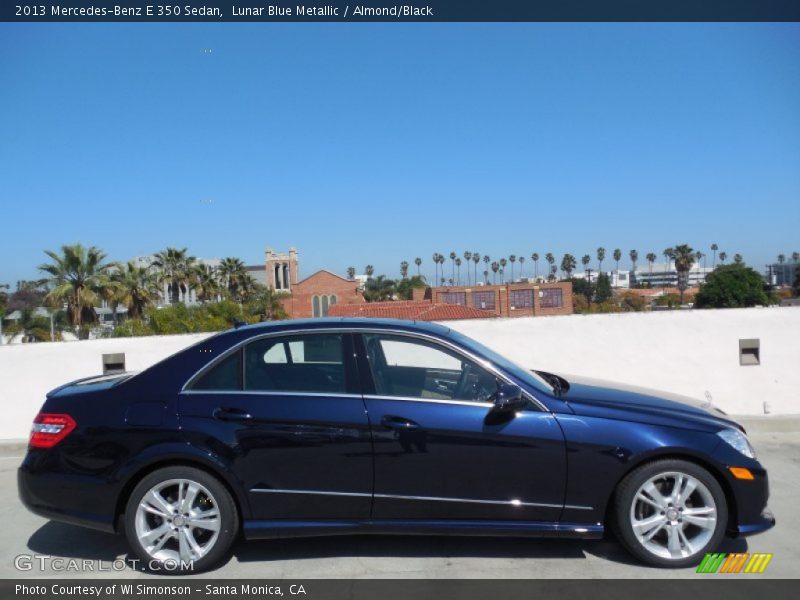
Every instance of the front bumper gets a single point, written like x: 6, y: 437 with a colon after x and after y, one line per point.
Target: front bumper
x: 765, y: 522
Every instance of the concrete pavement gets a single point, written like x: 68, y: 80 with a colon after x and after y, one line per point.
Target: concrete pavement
x: 408, y: 557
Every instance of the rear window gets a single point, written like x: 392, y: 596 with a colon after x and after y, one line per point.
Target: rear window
x: 225, y: 375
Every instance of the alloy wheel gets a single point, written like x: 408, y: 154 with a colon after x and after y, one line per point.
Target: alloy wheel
x: 673, y: 515
x: 178, y: 520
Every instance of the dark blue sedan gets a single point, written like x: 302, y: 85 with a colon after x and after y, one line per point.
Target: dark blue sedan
x: 342, y: 426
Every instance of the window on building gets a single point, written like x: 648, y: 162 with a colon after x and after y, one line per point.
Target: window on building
x: 325, y: 304
x: 521, y: 299
x: 454, y: 298
x: 225, y: 375
x: 301, y: 363
x: 551, y: 298
x: 483, y: 300
x: 411, y: 368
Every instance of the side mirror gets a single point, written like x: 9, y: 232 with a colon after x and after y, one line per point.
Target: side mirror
x: 509, y: 398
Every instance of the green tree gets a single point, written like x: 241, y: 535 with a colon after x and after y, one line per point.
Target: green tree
x: 351, y: 272
x: 512, y: 259
x: 137, y: 288
x: 234, y: 276
x: 468, y: 258
x: 380, y: 289
x: 205, y: 283
x: 495, y: 269
x: 601, y: 255
x: 684, y: 260
x: 617, y: 257
x: 585, y: 260
x: 405, y: 288
x: 175, y: 268
x: 476, y: 258
x: 714, y: 249
x: 733, y: 286
x: 79, y: 277
x: 265, y: 303
x: 458, y: 268
x: 521, y: 267
x: 453, y: 259
x: 568, y: 264
x: 418, y: 262
x: 634, y: 256
x: 404, y: 270
x: 535, y: 259
x: 651, y: 258
x: 723, y: 256
x: 369, y: 271
x: 603, y: 290
x: 738, y: 258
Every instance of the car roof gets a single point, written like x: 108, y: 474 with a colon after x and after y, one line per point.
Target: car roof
x: 347, y: 323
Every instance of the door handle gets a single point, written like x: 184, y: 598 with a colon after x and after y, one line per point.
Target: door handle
x: 399, y: 423
x: 226, y: 413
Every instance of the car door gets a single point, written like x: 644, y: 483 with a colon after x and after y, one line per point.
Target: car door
x: 440, y: 450
x: 286, y: 412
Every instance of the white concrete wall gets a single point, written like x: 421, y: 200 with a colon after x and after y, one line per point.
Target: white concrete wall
x: 685, y: 352
x: 29, y: 371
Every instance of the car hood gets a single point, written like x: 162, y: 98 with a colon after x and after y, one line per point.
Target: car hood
x: 589, y: 396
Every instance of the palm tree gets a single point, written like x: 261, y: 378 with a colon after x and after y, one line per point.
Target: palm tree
x: 486, y: 277
x: 738, y: 258
x: 174, y: 269
x: 404, y: 270
x: 418, y: 262
x: 441, y: 266
x: 617, y: 256
x: 453, y: 260
x: 601, y: 255
x: 568, y: 264
x: 723, y: 257
x: 206, y: 284
x: 369, y: 270
x: 585, y: 260
x: 553, y: 271
x: 476, y: 258
x: 668, y: 254
x: 634, y: 256
x: 486, y: 260
x: 781, y: 259
x: 351, y: 272
x: 684, y: 259
x: 651, y: 258
x: 380, y: 289
x: 512, y: 259
x: 795, y: 257
x: 78, y: 277
x: 550, y: 260
x: 535, y: 259
x: 503, y: 263
x: 458, y: 266
x: 521, y: 267
x: 495, y: 269
x: 714, y: 249
x: 435, y: 259
x: 468, y: 257
x: 234, y: 277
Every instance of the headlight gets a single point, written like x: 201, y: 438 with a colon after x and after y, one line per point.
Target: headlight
x: 738, y: 440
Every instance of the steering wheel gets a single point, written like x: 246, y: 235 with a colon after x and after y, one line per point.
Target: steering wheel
x: 462, y: 387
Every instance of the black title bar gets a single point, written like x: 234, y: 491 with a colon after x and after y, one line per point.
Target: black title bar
x: 220, y: 11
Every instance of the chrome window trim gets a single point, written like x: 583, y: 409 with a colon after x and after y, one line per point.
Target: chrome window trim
x: 359, y: 329
x: 274, y: 393
x: 513, y: 502
x: 431, y: 400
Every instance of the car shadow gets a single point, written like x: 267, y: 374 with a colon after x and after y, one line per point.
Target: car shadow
x: 72, y: 542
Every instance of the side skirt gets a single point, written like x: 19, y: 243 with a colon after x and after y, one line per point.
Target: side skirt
x: 290, y: 528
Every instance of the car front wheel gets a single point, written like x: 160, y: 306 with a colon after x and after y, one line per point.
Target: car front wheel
x: 669, y: 513
x: 180, y: 520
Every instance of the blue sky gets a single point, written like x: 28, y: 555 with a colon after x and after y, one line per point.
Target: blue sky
x: 377, y: 143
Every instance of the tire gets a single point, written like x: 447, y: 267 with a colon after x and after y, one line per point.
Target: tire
x: 666, y: 527
x: 180, y: 520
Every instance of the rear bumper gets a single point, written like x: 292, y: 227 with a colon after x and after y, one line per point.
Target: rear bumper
x: 40, y: 494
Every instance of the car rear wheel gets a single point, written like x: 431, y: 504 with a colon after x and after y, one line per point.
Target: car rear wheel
x: 669, y: 513
x: 180, y: 520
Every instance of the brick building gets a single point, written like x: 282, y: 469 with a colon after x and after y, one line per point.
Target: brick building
x: 512, y: 299
x: 413, y: 310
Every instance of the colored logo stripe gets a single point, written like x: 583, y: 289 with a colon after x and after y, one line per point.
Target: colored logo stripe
x: 721, y: 562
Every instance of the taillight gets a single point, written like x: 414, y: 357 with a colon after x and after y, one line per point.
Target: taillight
x: 49, y: 429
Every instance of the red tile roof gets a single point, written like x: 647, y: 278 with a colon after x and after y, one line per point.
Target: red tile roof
x: 412, y: 310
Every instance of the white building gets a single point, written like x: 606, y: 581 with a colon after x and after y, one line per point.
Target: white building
x: 665, y: 275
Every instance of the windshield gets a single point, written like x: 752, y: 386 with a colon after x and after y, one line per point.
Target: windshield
x: 528, y: 377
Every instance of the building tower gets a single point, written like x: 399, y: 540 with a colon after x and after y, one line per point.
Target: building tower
x: 282, y: 269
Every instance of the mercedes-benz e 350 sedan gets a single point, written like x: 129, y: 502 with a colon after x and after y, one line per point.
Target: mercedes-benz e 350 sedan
x: 341, y: 426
